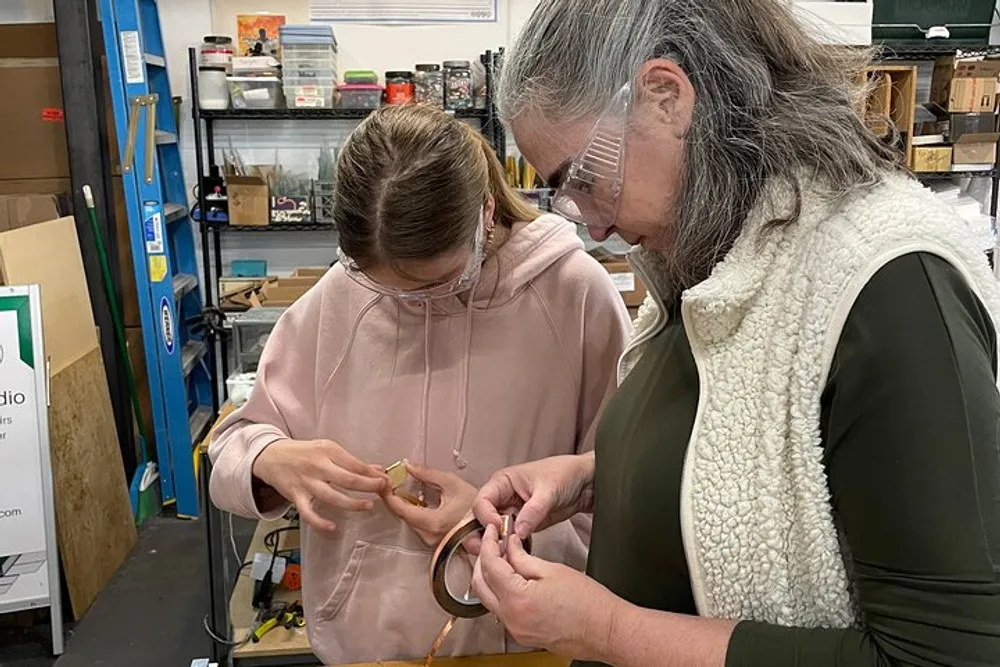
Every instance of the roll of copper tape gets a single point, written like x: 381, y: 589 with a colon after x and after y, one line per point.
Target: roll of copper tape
x: 462, y: 608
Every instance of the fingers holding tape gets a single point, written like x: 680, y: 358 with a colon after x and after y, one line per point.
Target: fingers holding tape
x: 454, y: 606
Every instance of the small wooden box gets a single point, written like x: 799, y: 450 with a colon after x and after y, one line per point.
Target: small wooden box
x: 932, y: 159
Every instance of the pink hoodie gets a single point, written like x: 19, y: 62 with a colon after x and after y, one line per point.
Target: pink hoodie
x: 518, y: 373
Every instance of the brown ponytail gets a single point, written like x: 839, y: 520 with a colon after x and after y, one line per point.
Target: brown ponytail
x: 411, y: 183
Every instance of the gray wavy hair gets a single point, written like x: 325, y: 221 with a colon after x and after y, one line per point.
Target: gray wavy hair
x: 771, y: 102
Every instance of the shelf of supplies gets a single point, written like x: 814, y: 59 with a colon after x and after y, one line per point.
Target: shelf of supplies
x: 275, y: 227
x: 931, y: 50
x: 945, y: 175
x: 310, y: 114
x: 184, y: 284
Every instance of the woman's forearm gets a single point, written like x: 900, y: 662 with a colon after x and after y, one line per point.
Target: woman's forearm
x: 640, y: 637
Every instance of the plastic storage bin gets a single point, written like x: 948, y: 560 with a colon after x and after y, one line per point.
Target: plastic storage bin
x: 250, y: 332
x: 360, y: 96
x: 255, y: 92
x: 309, y: 96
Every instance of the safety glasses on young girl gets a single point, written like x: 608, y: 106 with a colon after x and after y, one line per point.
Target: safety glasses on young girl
x: 590, y: 194
x: 463, y: 283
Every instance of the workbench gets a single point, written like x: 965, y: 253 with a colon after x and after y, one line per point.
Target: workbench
x: 279, y: 646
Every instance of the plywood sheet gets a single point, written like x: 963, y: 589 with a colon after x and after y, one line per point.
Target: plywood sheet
x: 48, y: 254
x: 94, y: 521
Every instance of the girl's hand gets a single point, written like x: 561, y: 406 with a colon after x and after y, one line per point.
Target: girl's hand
x: 305, y: 472
x: 432, y: 524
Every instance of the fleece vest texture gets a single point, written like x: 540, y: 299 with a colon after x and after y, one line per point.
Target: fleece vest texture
x: 759, y: 531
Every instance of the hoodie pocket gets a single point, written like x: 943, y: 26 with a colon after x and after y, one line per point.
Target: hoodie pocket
x: 342, y: 591
x: 380, y: 609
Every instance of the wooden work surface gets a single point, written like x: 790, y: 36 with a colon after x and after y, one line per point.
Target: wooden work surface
x: 279, y: 642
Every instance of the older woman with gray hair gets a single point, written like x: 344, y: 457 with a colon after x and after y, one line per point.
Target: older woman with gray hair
x: 800, y: 467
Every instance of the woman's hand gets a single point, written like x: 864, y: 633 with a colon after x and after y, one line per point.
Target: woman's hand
x: 544, y: 605
x: 432, y: 524
x: 305, y: 472
x: 542, y: 493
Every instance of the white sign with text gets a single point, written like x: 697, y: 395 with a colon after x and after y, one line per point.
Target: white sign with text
x: 29, y: 575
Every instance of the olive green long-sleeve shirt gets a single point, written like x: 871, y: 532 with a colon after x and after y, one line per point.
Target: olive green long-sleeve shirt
x: 911, y: 438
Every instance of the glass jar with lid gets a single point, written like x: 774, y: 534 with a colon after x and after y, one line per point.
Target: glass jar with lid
x: 458, y: 84
x: 399, y: 87
x: 429, y: 84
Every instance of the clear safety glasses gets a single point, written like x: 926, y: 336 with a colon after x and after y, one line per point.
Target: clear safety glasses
x: 591, y: 192
x: 463, y: 283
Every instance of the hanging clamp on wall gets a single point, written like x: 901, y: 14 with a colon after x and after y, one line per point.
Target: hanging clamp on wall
x: 138, y: 103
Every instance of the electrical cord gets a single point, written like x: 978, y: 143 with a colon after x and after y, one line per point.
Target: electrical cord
x: 232, y: 538
x: 231, y: 643
x: 226, y: 642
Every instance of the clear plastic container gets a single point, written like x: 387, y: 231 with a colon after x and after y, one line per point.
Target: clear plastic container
x: 300, y: 52
x: 458, y: 84
x: 429, y: 83
x: 310, y: 96
x: 310, y: 68
x: 322, y: 78
x: 213, y: 88
x: 360, y: 96
x: 255, y: 92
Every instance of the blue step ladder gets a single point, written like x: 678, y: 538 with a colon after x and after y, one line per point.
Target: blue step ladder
x: 163, y: 249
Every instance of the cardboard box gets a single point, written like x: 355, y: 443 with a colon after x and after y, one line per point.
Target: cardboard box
x: 631, y: 288
x: 33, y: 133
x: 282, y: 292
x: 18, y: 211
x: 309, y: 272
x: 249, y: 201
x: 960, y: 124
x: 28, y: 40
x: 965, y: 86
x: 976, y: 149
x: 235, y: 293
x: 932, y: 159
x: 36, y: 186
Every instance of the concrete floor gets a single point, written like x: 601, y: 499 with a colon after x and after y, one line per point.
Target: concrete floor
x: 149, y: 614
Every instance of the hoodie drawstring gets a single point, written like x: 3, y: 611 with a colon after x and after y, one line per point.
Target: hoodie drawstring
x: 463, y: 412
x: 425, y: 397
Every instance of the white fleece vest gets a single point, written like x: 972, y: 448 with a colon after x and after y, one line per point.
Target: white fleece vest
x: 758, y: 528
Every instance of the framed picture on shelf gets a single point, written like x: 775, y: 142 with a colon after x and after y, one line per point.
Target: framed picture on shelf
x: 257, y: 34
